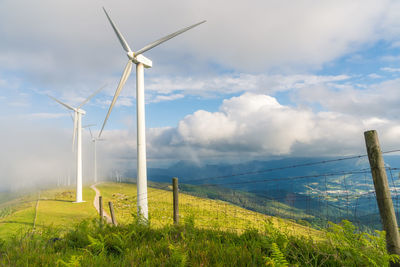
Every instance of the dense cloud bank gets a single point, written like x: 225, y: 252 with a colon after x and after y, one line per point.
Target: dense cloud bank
x: 246, y: 127
x: 266, y: 59
x: 68, y: 45
x: 257, y: 125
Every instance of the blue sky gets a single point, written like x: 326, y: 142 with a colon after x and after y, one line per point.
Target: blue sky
x: 260, y: 79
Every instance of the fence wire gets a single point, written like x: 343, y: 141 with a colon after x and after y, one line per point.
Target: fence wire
x: 298, y: 203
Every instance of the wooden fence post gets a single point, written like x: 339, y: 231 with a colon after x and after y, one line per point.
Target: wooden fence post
x: 175, y: 199
x: 113, y: 220
x: 101, y: 208
x: 383, y: 196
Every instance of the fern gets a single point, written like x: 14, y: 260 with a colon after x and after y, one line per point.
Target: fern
x: 97, y: 245
x: 178, y: 255
x: 277, y: 258
x: 74, y: 261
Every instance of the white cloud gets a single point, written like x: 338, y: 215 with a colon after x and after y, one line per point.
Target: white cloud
x: 205, y: 128
x: 250, y: 126
x: 374, y: 122
x: 255, y: 125
x: 68, y: 49
x: 44, y: 115
x: 71, y: 42
x: 161, y: 98
x: 236, y: 83
x: 388, y: 69
x: 375, y: 100
x: 374, y: 76
x: 121, y: 102
x: 391, y: 58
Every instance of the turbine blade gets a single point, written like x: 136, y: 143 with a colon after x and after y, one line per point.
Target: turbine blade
x: 166, y: 38
x: 75, y: 130
x: 89, y: 125
x: 91, y: 135
x: 118, y: 33
x: 121, y: 84
x: 91, y: 96
x: 61, y: 103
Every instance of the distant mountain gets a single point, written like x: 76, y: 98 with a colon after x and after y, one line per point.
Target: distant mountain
x: 324, y: 187
x: 277, y: 172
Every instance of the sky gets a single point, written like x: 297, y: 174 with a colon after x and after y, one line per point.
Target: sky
x: 258, y: 80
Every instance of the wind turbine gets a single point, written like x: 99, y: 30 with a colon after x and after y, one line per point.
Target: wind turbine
x: 95, y: 140
x: 141, y: 63
x: 77, y: 134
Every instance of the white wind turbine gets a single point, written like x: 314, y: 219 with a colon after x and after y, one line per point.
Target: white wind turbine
x: 95, y: 140
x: 77, y: 133
x: 141, y: 63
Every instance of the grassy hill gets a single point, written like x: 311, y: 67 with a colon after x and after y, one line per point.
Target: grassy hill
x: 55, y: 208
x: 206, y: 213
x: 17, y: 215
x: 211, y: 233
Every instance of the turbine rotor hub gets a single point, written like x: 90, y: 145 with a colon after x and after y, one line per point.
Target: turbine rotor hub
x: 131, y: 55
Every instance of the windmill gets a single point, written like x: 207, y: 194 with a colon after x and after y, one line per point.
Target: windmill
x: 95, y: 140
x: 141, y: 63
x: 77, y: 134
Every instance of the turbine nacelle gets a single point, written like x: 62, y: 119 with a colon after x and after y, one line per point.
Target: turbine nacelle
x: 147, y: 63
x: 81, y: 111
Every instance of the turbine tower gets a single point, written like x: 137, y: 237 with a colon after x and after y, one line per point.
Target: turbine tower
x: 77, y: 134
x: 95, y: 140
x: 141, y: 63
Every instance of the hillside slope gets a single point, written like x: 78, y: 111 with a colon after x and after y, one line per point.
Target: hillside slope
x: 206, y: 213
x: 211, y: 233
x: 55, y: 207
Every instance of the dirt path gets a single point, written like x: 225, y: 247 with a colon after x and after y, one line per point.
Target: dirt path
x: 96, y: 203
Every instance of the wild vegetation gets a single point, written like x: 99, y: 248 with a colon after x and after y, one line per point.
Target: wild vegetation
x: 55, y: 208
x: 210, y: 233
x: 208, y: 213
x: 90, y: 243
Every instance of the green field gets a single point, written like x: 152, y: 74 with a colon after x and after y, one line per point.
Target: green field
x: 206, y: 213
x: 210, y: 233
x: 55, y: 208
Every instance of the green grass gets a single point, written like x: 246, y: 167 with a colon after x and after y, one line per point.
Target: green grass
x: 206, y: 213
x: 210, y: 233
x: 55, y: 208
x: 139, y: 244
x: 247, y: 200
x: 18, y: 216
